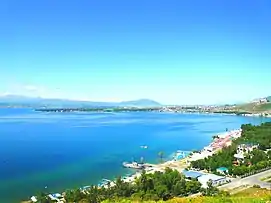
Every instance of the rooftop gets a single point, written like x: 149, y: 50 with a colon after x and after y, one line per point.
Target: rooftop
x: 207, y: 177
x: 192, y: 174
x: 222, y: 168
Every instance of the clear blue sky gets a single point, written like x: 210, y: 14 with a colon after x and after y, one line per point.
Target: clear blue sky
x: 172, y: 51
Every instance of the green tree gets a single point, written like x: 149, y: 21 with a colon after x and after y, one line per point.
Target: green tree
x: 74, y: 195
x: 192, y: 187
x: 258, y: 155
x: 211, y: 190
x: 162, y: 192
x: 43, y: 198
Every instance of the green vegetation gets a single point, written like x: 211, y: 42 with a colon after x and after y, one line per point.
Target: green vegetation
x: 148, y: 187
x: 157, y: 186
x: 250, y: 195
x: 257, y: 135
x: 264, y: 107
x: 172, y: 187
x: 255, y: 160
x: 254, y: 108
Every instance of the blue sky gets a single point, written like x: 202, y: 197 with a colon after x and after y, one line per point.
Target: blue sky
x: 175, y: 52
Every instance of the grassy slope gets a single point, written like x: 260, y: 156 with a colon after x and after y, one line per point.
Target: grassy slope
x: 250, y: 195
x: 254, y: 108
x: 264, y: 107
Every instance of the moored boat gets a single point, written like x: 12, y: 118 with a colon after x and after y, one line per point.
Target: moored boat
x: 134, y: 165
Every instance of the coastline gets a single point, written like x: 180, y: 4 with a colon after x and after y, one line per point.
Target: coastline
x: 222, y: 139
x: 156, y: 109
x: 182, y: 137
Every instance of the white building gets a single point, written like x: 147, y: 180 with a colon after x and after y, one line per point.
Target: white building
x: 260, y: 101
x: 33, y: 199
x: 216, y: 180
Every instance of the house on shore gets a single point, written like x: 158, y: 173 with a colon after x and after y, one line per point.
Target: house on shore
x: 215, y: 180
x: 192, y: 174
x: 204, y: 178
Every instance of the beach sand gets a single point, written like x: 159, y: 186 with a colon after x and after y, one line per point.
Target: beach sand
x: 183, y: 163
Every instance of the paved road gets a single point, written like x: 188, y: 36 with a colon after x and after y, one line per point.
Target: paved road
x: 250, y: 180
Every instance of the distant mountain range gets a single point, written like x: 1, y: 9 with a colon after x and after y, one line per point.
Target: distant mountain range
x: 37, y: 102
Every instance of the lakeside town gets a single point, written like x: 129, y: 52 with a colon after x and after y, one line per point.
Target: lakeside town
x: 258, y: 108
x: 245, y: 156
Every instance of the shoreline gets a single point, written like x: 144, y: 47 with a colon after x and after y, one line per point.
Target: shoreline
x: 221, y: 140
x: 164, y: 109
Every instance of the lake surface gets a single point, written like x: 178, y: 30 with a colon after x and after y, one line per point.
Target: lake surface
x: 52, y: 152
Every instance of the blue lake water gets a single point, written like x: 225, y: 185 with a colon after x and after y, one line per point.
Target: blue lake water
x: 68, y: 150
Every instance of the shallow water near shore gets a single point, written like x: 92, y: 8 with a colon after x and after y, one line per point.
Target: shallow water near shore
x: 52, y: 152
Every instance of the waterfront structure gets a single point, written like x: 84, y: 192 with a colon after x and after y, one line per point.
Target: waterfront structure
x: 192, y: 174
x: 203, y: 178
x: 215, y: 180
x: 134, y: 165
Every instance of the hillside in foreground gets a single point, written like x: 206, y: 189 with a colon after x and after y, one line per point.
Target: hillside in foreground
x: 250, y: 195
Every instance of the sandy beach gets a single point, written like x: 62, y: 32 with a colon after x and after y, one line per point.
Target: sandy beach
x: 222, y: 140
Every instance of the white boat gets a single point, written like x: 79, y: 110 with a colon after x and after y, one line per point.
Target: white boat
x: 144, y: 146
x: 134, y: 165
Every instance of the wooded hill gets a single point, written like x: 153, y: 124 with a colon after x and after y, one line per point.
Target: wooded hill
x: 258, y: 159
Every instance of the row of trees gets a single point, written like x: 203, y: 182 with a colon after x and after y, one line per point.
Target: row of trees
x: 258, y: 159
x: 156, y: 186
x: 257, y: 134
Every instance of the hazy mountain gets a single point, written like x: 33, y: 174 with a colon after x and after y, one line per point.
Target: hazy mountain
x: 23, y: 101
x: 140, y: 102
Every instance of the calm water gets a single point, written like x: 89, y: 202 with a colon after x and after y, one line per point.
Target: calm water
x: 68, y: 150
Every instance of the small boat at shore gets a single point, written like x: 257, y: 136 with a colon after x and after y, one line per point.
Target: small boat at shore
x: 133, y: 165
